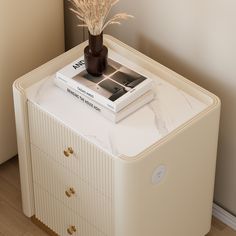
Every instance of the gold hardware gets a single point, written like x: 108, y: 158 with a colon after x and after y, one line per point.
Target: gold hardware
x: 70, y: 192
x: 71, y: 230
x: 68, y: 151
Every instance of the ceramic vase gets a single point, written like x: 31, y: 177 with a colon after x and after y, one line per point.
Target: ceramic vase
x: 95, y: 55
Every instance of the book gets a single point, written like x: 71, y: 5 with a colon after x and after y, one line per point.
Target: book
x: 115, y: 89
x: 105, y: 112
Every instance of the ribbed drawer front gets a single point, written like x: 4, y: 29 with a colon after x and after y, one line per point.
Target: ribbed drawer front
x: 59, y: 218
x: 90, y: 163
x: 71, y: 191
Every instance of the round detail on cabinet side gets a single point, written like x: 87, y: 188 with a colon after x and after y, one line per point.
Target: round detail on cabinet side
x: 158, y: 174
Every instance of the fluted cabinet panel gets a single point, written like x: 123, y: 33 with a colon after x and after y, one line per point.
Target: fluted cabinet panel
x: 90, y: 163
x: 72, y: 192
x: 59, y: 218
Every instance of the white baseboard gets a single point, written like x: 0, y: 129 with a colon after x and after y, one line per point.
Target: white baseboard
x: 224, y: 216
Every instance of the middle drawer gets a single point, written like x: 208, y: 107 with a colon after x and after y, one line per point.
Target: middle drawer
x: 71, y: 191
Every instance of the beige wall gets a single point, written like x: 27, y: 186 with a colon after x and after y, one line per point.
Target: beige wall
x: 198, y: 40
x: 31, y: 33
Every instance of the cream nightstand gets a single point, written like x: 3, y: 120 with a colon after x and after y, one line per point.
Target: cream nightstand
x: 151, y: 174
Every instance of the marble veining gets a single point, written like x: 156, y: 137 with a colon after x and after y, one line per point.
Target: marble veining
x: 170, y: 108
x: 158, y: 120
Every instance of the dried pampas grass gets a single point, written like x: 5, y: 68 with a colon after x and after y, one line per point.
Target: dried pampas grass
x: 94, y: 14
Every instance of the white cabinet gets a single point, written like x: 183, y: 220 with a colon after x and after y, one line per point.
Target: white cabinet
x: 150, y: 174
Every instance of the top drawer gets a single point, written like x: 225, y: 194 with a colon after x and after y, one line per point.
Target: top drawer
x: 84, y: 159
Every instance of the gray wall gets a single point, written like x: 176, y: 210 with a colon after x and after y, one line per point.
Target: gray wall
x: 74, y: 34
x: 196, y: 39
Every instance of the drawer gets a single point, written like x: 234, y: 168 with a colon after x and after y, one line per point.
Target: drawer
x: 87, y: 161
x: 59, y: 218
x: 74, y: 193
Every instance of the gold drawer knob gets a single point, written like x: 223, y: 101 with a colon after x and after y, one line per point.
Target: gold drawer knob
x: 71, y: 230
x: 68, y: 151
x: 70, y: 192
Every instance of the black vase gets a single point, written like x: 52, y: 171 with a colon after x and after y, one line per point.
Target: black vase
x: 95, y: 55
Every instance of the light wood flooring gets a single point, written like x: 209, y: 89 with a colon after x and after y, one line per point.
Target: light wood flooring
x: 14, y: 223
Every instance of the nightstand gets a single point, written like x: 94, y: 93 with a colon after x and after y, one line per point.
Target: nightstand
x: 150, y: 174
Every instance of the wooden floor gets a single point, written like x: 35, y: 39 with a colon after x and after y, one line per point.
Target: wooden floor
x: 14, y: 223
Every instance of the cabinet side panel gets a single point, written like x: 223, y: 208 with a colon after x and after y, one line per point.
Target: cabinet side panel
x: 181, y: 203
x: 24, y: 153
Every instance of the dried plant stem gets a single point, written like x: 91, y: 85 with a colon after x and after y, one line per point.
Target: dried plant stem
x: 94, y: 14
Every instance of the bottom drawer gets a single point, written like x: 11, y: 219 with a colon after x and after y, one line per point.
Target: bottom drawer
x: 59, y: 218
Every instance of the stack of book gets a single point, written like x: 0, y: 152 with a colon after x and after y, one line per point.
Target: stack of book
x: 116, y: 94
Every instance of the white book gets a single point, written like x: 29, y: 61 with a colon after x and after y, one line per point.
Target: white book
x: 115, y: 89
x: 107, y: 113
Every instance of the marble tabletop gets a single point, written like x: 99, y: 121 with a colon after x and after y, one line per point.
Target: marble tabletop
x: 170, y: 108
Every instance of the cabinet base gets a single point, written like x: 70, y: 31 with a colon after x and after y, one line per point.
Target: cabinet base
x: 43, y: 226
